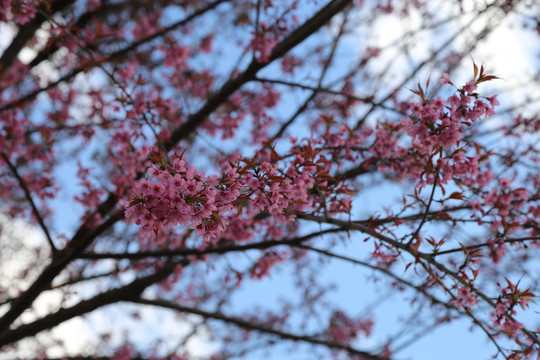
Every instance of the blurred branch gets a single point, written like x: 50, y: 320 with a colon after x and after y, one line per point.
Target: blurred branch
x: 429, y: 60
x: 477, y: 246
x: 259, y: 328
x: 27, y: 31
x: 113, y: 56
x: 28, y: 196
x: 296, y: 37
x: 429, y: 263
x: 316, y: 90
x: 85, y: 236
x: 217, y: 250
x: 419, y: 288
x: 79, y: 242
x: 124, y: 293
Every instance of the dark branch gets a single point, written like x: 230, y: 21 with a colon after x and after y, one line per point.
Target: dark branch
x: 79, y: 242
x: 260, y: 328
x: 296, y: 37
x: 216, y: 250
x: 84, y: 236
x: 125, y: 293
x: 31, y: 201
x: 114, y: 56
x: 27, y: 31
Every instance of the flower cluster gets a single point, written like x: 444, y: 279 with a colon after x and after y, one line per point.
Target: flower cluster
x: 503, y: 315
x: 18, y: 11
x: 344, y: 329
x: 508, y: 325
x: 505, y: 199
x: 265, y: 263
x: 176, y: 194
x: 465, y: 297
x: 263, y: 43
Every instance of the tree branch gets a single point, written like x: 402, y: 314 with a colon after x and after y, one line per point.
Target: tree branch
x: 115, y: 55
x: 85, y: 236
x: 79, y: 242
x: 216, y: 250
x: 295, y: 38
x: 260, y: 328
x: 31, y: 201
x: 26, y: 32
x: 125, y: 293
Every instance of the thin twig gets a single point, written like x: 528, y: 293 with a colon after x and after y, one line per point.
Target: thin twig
x: 260, y: 328
x: 31, y: 201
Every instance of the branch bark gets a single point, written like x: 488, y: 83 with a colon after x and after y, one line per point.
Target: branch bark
x: 260, y: 328
x: 125, y: 293
x: 296, y: 37
x: 218, y: 250
x: 84, y: 236
x: 26, y: 32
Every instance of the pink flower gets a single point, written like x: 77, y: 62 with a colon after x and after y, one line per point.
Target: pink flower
x: 417, y: 108
x: 505, y: 182
x: 445, y: 79
x: 476, y: 206
x: 500, y: 309
x: 439, y: 103
x: 123, y: 353
x: 344, y: 329
x: 407, y: 123
x: 511, y: 326
x: 466, y: 297
x: 493, y: 101
x: 265, y: 264
x: 470, y: 87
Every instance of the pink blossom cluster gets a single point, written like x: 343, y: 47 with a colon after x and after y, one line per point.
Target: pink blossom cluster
x: 262, y: 100
x: 503, y: 317
x: 436, y: 150
x: 343, y: 106
x: 91, y: 196
x: 265, y: 264
x: 18, y: 11
x: 177, y: 194
x: 147, y: 25
x: 383, y: 256
x: 123, y: 353
x: 270, y: 190
x: 32, y: 155
x: 430, y: 127
x: 198, y: 83
x: 289, y: 63
x: 344, y: 143
x: 497, y: 250
x: 181, y: 75
x: 176, y: 56
x: 127, y: 160
x: 437, y: 127
x: 230, y: 116
x: 343, y: 329
x: 505, y: 199
x: 465, y: 297
x: 263, y: 43
x: 15, y: 74
x: 503, y: 322
x: 247, y: 104
x: 268, y: 33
